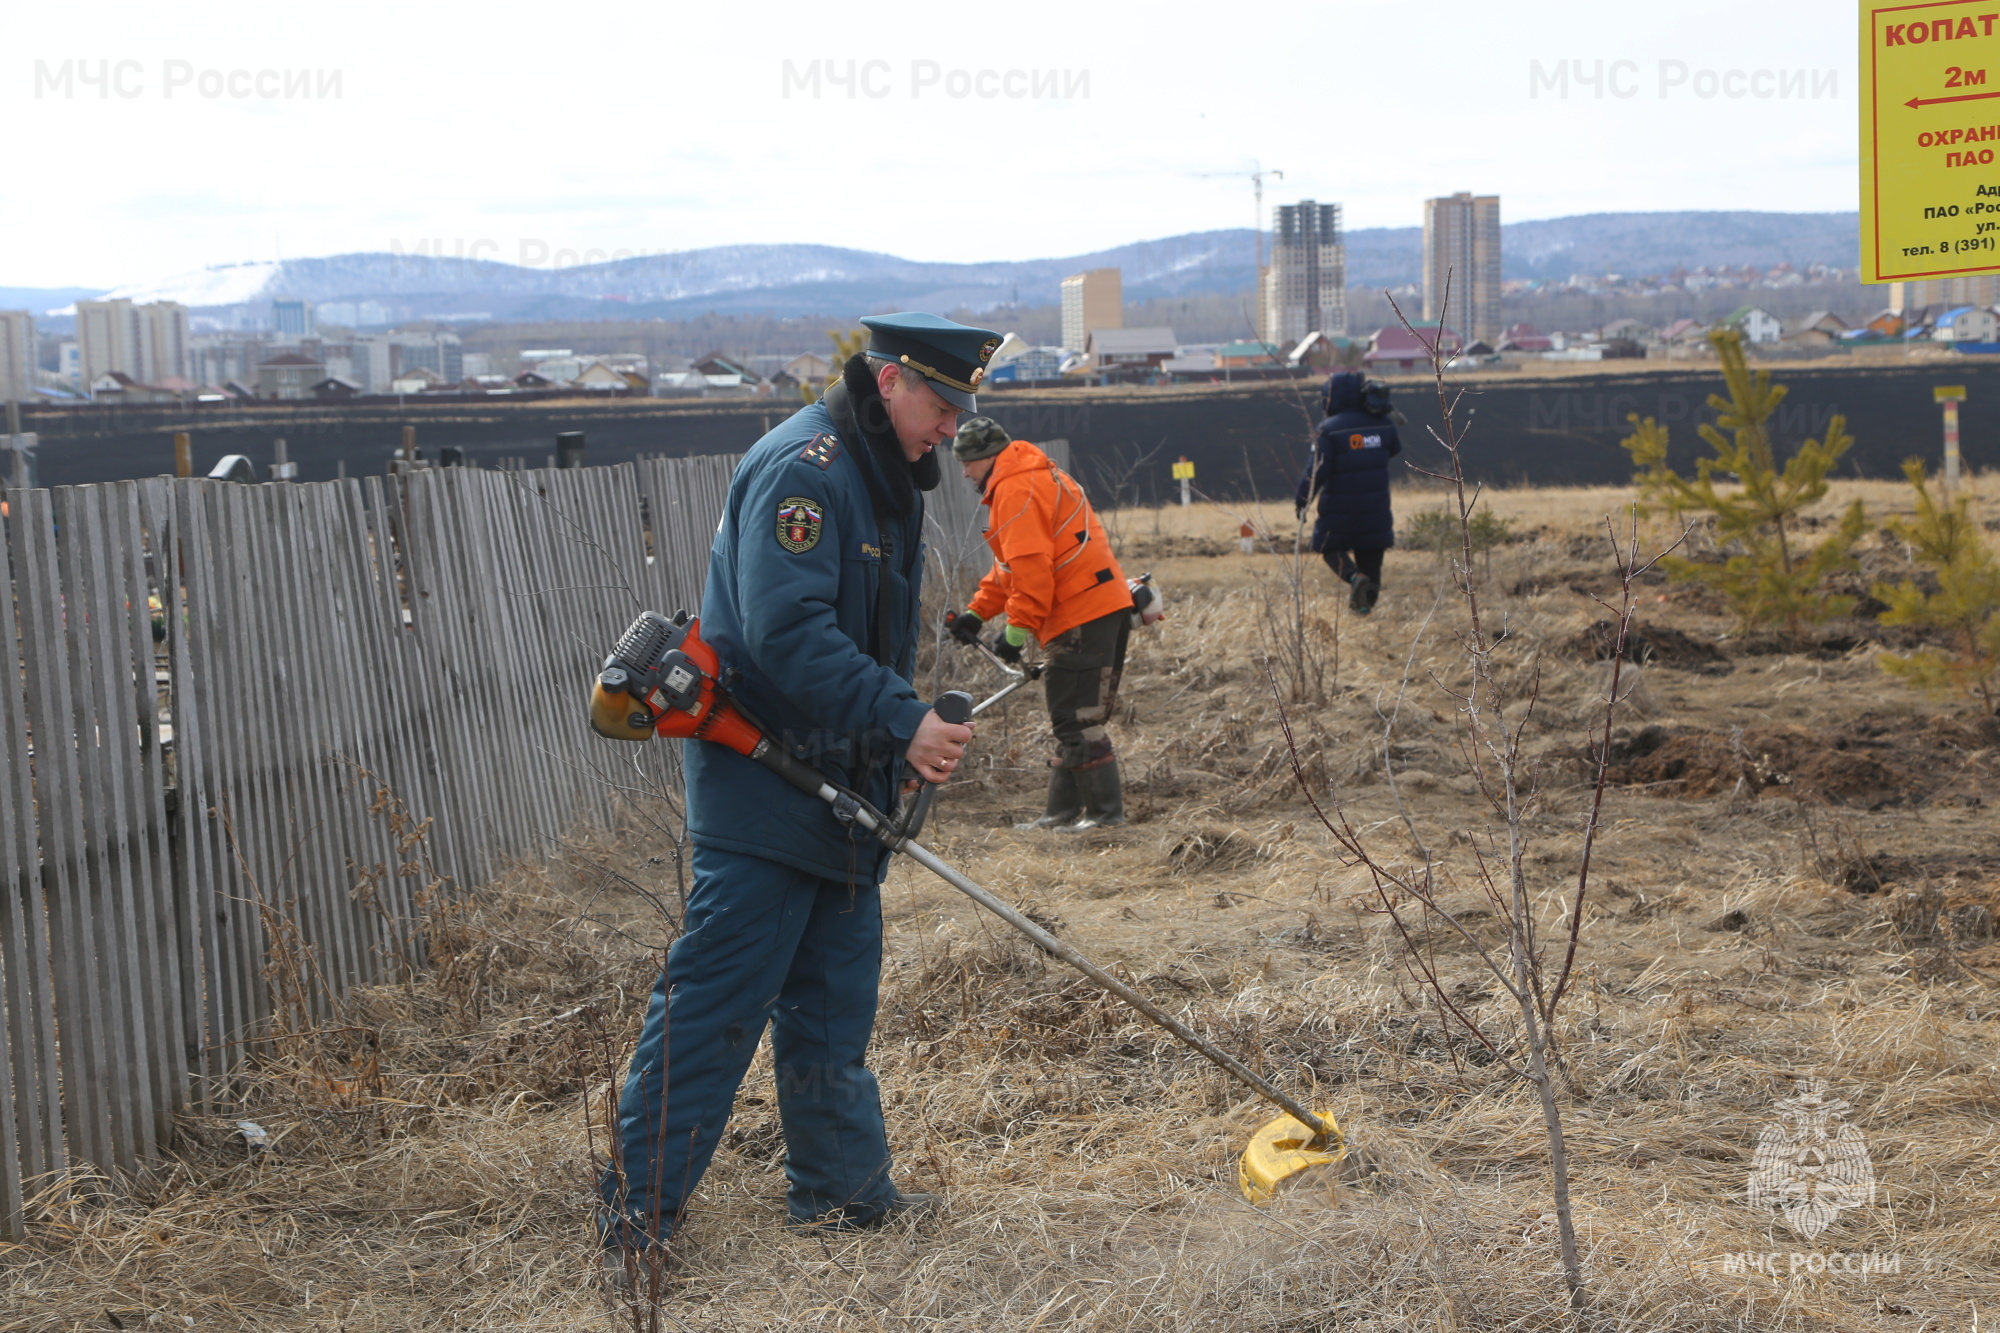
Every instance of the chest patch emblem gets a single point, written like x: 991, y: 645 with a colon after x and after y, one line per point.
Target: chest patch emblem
x: 1364, y: 441
x: 822, y: 451
x: 799, y: 523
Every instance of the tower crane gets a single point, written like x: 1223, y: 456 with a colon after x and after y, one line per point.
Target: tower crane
x: 1257, y: 174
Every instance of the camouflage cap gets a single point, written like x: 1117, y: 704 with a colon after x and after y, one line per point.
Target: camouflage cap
x: 979, y: 437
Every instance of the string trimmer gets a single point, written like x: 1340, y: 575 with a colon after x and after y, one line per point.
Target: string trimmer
x: 1017, y: 676
x: 1148, y: 608
x: 662, y: 680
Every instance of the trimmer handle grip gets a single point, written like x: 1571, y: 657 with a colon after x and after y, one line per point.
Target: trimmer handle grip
x: 954, y: 706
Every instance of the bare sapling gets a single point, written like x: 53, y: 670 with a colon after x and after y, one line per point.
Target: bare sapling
x: 1118, y: 489
x: 1495, y: 689
x: 1293, y: 628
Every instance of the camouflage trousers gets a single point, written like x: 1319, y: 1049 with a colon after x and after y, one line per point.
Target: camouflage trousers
x: 1085, y: 664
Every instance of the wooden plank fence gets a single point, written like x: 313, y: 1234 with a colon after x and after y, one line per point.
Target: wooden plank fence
x: 198, y: 674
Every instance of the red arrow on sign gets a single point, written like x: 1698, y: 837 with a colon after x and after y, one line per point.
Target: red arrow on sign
x: 1916, y: 102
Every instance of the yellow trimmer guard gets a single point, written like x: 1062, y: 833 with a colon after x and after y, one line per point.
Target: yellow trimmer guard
x: 1283, y: 1148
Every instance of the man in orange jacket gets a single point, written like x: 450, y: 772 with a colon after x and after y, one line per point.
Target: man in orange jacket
x: 1058, y: 583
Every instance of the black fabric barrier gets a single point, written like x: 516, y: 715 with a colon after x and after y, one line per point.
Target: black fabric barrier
x: 1523, y: 430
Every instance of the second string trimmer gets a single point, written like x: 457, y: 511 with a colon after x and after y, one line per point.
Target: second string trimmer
x: 663, y: 680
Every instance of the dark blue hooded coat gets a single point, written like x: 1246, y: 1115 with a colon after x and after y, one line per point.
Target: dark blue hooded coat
x: 1350, y: 472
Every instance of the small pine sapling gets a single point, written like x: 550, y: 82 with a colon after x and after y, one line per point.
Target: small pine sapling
x: 1775, y: 579
x: 1966, y: 607
x: 1438, y: 530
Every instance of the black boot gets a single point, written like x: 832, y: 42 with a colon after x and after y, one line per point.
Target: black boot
x: 1064, y: 803
x: 1103, y: 798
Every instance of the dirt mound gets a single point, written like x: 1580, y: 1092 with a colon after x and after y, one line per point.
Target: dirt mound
x: 1870, y: 763
x: 1832, y: 645
x: 1657, y: 644
x: 1212, y: 849
x: 1883, y: 870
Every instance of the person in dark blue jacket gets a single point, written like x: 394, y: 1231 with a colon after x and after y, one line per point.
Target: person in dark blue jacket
x: 812, y: 596
x: 1347, y: 484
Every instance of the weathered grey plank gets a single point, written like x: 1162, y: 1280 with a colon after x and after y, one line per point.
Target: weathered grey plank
x: 31, y: 1108
x: 343, y: 832
x: 239, y: 710
x: 411, y: 773
x: 235, y: 1001
x: 13, y: 1218
x: 536, y: 602
x: 157, y: 906
x: 85, y: 1050
x: 409, y: 681
x: 507, y: 783
x: 106, y: 734
x: 299, y: 666
x: 444, y: 635
x: 188, y: 869
x: 361, y: 620
x: 516, y: 794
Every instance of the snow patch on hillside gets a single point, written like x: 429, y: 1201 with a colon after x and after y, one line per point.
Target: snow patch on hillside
x: 225, y: 284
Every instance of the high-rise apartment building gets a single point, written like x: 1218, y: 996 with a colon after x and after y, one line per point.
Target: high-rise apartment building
x: 1092, y: 300
x: 1305, y: 285
x: 163, y: 342
x: 438, y: 353
x: 17, y: 357
x: 292, y: 320
x: 220, y: 358
x: 1981, y: 289
x: 148, y: 343
x: 1462, y: 248
x: 107, y: 340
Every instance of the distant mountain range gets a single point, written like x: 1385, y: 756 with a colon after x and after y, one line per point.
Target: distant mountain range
x: 818, y: 280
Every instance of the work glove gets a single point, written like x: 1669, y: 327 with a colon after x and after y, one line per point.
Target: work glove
x: 1300, y: 510
x: 963, y: 626
x: 1008, y: 645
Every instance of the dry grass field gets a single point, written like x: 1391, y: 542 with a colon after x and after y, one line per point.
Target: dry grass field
x: 1797, y: 879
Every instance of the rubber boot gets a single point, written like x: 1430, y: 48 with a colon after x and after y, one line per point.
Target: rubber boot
x: 1064, y: 804
x: 1103, y: 798
x: 1363, y: 600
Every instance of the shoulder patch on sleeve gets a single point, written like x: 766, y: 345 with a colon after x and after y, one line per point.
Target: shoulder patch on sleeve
x: 800, y: 521
x: 823, y: 449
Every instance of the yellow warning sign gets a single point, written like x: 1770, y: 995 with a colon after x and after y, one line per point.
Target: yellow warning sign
x: 1930, y: 135
x: 1184, y: 471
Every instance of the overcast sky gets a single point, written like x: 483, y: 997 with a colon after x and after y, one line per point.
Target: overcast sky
x: 524, y: 131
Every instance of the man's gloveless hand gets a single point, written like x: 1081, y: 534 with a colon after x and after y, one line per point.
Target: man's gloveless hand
x: 937, y: 747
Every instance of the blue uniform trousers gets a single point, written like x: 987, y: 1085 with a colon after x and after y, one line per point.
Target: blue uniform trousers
x: 762, y: 943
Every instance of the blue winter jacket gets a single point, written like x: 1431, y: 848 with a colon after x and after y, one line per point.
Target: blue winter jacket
x: 791, y: 603
x: 1349, y: 472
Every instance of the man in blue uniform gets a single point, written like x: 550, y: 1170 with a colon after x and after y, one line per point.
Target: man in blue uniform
x: 812, y: 595
x: 1349, y: 476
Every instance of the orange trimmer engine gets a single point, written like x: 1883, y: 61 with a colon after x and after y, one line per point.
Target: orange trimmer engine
x: 662, y: 680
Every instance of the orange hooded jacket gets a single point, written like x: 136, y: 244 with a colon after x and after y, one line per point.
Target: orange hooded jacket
x: 1053, y: 568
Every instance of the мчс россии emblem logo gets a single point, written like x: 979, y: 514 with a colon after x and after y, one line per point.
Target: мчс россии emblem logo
x: 799, y: 523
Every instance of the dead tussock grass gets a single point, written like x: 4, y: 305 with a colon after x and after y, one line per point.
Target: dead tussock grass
x: 1735, y: 945
x: 423, y: 1167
